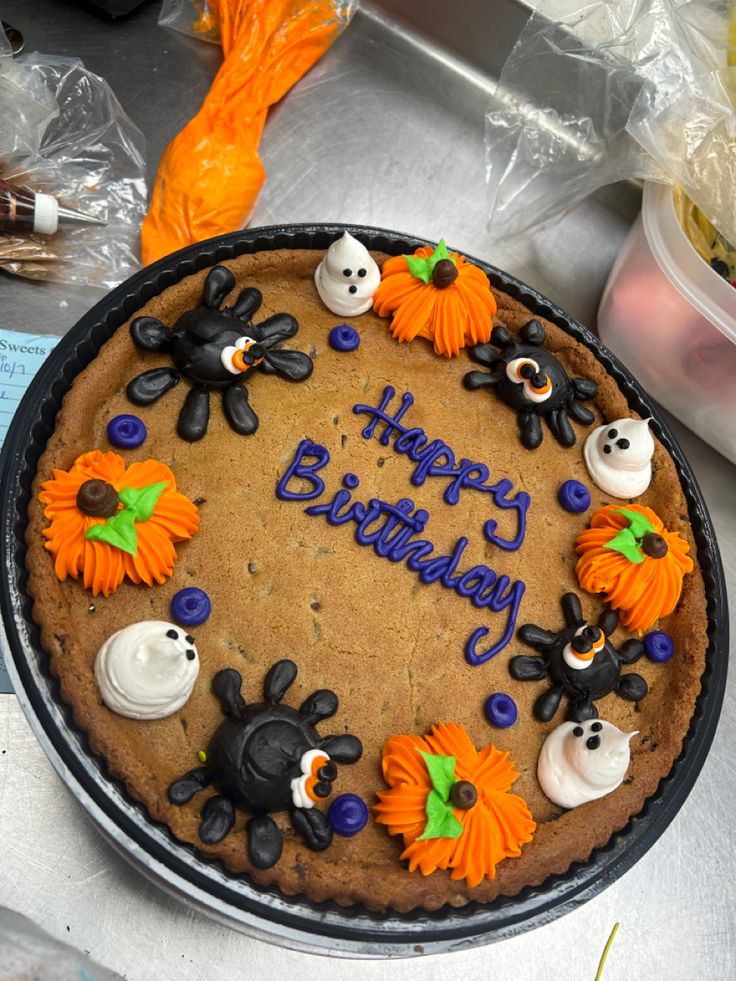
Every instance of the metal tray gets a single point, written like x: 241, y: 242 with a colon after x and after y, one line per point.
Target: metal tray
x: 178, y: 868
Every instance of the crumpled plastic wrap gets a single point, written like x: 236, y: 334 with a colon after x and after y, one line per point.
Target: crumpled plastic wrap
x: 601, y: 91
x: 211, y: 174
x: 197, y: 18
x: 64, y: 133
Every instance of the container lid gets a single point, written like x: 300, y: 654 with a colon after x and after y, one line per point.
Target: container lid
x: 709, y: 293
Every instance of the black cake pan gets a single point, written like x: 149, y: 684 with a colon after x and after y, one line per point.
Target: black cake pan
x: 234, y: 900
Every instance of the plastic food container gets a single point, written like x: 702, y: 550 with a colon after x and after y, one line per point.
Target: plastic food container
x: 672, y: 320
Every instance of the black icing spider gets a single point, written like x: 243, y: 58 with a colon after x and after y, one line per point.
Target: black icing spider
x: 579, y: 660
x: 217, y: 348
x: 268, y: 757
x: 533, y: 382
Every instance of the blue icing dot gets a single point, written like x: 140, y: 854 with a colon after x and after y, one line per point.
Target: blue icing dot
x: 126, y: 432
x: 658, y: 646
x: 574, y: 496
x: 344, y: 338
x: 191, y: 606
x: 348, y: 814
x: 350, y: 481
x: 500, y: 710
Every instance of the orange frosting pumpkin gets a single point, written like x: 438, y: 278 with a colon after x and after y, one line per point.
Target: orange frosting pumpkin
x: 150, y: 554
x: 492, y: 828
x: 646, y: 588
x: 437, y: 295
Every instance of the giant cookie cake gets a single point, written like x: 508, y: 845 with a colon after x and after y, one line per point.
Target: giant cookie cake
x: 414, y: 495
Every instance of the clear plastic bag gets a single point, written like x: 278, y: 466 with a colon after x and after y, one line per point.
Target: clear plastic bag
x: 64, y: 133
x: 601, y: 91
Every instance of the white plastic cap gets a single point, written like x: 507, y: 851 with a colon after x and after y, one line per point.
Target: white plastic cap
x: 46, y: 216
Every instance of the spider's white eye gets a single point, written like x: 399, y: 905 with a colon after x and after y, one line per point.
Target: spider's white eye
x: 525, y: 371
x: 578, y: 661
x: 232, y: 356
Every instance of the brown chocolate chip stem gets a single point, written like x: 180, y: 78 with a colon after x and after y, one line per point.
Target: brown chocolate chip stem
x: 463, y: 795
x: 654, y: 545
x: 444, y: 273
x: 97, y: 498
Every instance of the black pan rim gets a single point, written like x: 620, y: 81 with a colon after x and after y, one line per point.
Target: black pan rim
x: 297, y: 922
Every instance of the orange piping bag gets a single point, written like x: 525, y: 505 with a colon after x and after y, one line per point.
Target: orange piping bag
x: 210, y: 175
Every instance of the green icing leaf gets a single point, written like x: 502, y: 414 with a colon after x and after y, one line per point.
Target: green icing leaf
x: 142, y: 500
x: 627, y: 541
x: 441, y: 821
x: 638, y: 523
x: 118, y: 531
x: 423, y: 268
x: 441, y: 773
x: 138, y: 505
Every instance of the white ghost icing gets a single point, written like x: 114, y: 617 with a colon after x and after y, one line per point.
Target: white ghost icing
x: 621, y: 465
x: 574, y: 769
x: 347, y: 277
x: 144, y: 672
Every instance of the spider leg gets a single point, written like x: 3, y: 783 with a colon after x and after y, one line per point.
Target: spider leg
x: 530, y: 430
x: 474, y: 380
x: 524, y: 667
x: 218, y: 284
x: 150, y: 334
x: 344, y: 749
x: 292, y: 365
x: 536, y: 636
x: 548, y: 703
x: 320, y: 705
x: 265, y: 843
x: 279, y: 327
x: 248, y: 302
x: 608, y: 621
x: 532, y: 333
x: 585, y: 389
x: 485, y: 354
x: 149, y: 386
x: 278, y: 680
x: 630, y: 651
x: 218, y: 818
x: 182, y: 790
x: 580, y: 413
x: 632, y: 687
x: 195, y: 414
x: 226, y: 686
x: 237, y: 410
x: 582, y: 710
x: 572, y: 611
x: 313, y: 826
x: 501, y: 336
x: 561, y: 428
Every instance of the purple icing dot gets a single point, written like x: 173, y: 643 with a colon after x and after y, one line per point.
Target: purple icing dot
x: 348, y: 814
x: 126, y: 432
x: 500, y: 710
x: 574, y: 496
x: 344, y: 338
x: 190, y: 607
x: 658, y: 646
x: 350, y: 481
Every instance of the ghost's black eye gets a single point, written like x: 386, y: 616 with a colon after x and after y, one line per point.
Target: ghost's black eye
x: 596, y: 727
x: 606, y: 448
x: 362, y: 272
x: 623, y: 444
x: 189, y: 639
x: 612, y: 433
x: 190, y: 655
x: 353, y: 289
x: 347, y: 272
x: 577, y: 731
x: 594, y: 742
x: 173, y: 634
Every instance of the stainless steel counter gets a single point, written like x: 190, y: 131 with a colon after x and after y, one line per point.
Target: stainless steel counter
x: 387, y: 130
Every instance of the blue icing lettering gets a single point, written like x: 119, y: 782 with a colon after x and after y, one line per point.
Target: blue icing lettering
x: 434, y: 458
